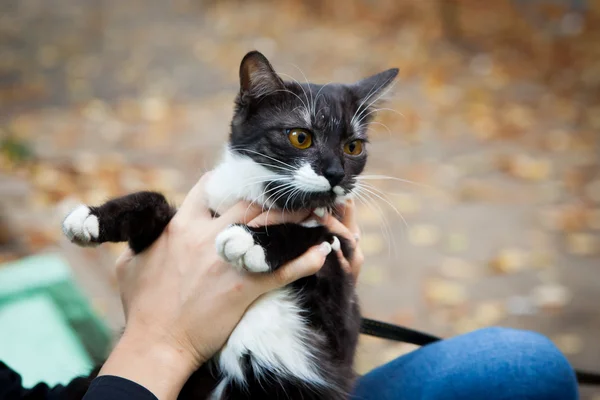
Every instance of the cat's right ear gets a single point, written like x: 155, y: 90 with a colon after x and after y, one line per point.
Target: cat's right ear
x: 370, y: 89
x: 257, y: 76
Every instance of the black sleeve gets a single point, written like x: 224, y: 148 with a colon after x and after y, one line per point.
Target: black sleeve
x: 11, y: 387
x: 102, y: 388
x: 117, y: 388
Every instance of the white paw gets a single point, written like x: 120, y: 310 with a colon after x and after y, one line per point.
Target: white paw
x: 336, y: 245
x: 236, y: 245
x: 81, y: 227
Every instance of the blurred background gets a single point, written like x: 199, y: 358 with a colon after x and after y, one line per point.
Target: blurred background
x: 495, y: 121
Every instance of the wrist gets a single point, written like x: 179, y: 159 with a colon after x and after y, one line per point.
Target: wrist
x: 152, y: 361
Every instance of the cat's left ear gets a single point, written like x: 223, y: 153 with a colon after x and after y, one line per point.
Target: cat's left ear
x: 368, y: 90
x: 257, y: 76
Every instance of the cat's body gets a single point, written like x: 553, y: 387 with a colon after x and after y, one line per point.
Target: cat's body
x: 292, y: 147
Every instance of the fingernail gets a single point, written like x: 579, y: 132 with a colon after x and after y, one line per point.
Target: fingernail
x: 319, y: 212
x: 325, y: 248
x: 336, y: 245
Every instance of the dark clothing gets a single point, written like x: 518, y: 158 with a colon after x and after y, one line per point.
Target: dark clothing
x: 101, y: 388
x: 115, y: 387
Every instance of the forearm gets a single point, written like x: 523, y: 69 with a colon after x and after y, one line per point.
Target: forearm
x: 161, y: 368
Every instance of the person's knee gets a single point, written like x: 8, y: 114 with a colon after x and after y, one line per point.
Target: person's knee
x: 510, y: 363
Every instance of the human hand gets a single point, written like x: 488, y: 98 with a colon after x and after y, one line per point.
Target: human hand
x: 181, y: 300
x: 346, y: 227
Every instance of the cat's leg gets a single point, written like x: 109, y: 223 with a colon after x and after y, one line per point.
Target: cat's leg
x: 138, y: 218
x: 264, y: 249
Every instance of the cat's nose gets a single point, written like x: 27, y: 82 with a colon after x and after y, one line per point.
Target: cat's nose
x: 334, y: 174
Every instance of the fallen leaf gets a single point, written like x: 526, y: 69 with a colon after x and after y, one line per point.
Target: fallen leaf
x: 371, y: 243
x: 551, y: 296
x: 368, y: 215
x: 372, y: 275
x: 391, y: 352
x: 424, y: 235
x: 592, y: 191
x: 465, y: 325
x: 457, y: 242
x: 594, y: 219
x: 489, y: 313
x: 446, y: 293
x: 521, y: 305
x: 406, y: 203
x: 568, y: 343
x: 456, y: 268
x: 154, y: 108
x: 510, y: 260
x: 558, y: 141
x: 583, y: 244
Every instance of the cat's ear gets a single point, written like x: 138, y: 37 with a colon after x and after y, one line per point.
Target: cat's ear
x: 257, y: 76
x: 370, y: 90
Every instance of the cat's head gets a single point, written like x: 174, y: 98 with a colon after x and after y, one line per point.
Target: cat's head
x: 307, y: 140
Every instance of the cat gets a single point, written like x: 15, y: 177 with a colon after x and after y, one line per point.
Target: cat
x: 292, y: 146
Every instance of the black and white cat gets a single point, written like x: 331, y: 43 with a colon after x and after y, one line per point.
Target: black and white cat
x: 292, y: 146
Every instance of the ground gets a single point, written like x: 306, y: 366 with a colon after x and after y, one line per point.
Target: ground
x: 492, y: 132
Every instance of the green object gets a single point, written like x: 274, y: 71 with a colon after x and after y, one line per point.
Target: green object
x: 48, y: 332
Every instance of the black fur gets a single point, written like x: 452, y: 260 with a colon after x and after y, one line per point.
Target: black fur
x: 266, y: 108
x: 137, y: 218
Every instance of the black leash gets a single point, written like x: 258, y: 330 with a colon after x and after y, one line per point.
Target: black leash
x: 400, y: 334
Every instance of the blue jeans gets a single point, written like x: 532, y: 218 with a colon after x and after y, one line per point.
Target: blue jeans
x: 490, y: 364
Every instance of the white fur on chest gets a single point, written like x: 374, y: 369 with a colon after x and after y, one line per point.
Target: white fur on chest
x: 274, y: 331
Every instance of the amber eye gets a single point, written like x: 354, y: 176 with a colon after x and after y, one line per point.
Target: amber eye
x: 299, y: 138
x: 354, y: 147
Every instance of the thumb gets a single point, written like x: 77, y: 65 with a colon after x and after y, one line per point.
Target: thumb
x: 122, y: 261
x: 307, y: 264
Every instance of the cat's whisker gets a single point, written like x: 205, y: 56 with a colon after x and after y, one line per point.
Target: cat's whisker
x: 274, y: 166
x: 300, y: 86
x: 291, y: 197
x: 276, y: 190
x: 307, y: 85
x: 292, y: 93
x: 373, y: 190
x: 385, y: 92
x: 367, y: 97
x: 274, y: 203
x: 393, y: 178
x: 392, y: 237
x: 377, y: 110
x: 281, y: 192
x: 371, y: 204
x: 317, y: 97
x: 255, y: 181
x: 263, y: 155
x: 362, y: 126
x: 371, y: 93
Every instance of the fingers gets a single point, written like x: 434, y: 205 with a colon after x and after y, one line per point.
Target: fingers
x: 276, y: 217
x: 338, y: 228
x: 358, y: 260
x: 242, y: 212
x: 122, y: 261
x: 194, y: 204
x: 344, y: 263
x: 349, y: 218
x: 307, y: 264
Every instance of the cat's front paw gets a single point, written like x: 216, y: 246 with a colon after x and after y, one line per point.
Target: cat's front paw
x: 236, y: 245
x: 81, y: 226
